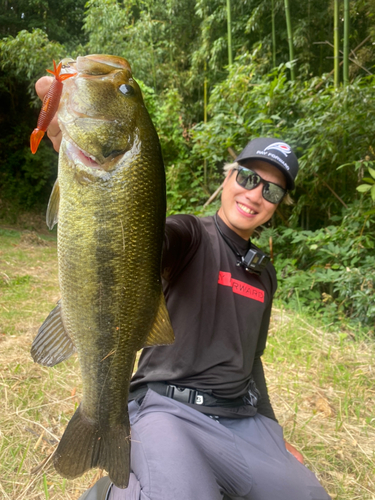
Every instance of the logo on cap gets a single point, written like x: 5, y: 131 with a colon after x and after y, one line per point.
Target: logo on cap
x: 280, y: 146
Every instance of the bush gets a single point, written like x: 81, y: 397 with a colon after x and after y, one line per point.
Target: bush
x: 329, y: 271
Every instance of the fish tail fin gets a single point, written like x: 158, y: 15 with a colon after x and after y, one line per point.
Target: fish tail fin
x: 35, y: 139
x: 84, y: 445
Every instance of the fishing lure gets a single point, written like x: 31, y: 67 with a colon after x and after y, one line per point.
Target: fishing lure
x: 50, y: 104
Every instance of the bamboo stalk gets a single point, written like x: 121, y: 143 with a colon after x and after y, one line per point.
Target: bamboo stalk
x: 341, y: 62
x: 290, y: 38
x: 350, y: 59
x: 336, y: 40
x: 152, y: 52
x: 229, y: 24
x: 346, y: 42
x: 205, y: 93
x: 205, y: 117
x: 273, y: 35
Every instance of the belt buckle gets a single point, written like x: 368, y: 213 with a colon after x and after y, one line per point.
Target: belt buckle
x: 183, y: 394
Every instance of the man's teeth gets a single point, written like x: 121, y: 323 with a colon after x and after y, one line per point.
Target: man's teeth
x: 246, y: 209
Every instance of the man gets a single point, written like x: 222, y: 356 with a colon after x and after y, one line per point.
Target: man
x: 202, y: 424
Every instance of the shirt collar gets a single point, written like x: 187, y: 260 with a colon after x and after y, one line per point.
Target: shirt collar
x: 241, y: 244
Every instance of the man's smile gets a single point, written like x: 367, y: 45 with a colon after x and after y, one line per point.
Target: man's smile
x: 246, y: 209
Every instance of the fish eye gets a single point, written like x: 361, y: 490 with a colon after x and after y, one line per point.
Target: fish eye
x: 126, y: 89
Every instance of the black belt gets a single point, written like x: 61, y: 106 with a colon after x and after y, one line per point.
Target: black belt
x: 187, y: 395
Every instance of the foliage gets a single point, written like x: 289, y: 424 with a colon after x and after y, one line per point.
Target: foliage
x: 185, y: 188
x: 370, y: 184
x: 25, y: 57
x: 327, y: 128
x: 330, y: 270
x: 61, y: 20
x: 25, y: 180
x: 173, y: 47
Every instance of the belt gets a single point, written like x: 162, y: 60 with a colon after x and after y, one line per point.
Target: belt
x: 186, y: 395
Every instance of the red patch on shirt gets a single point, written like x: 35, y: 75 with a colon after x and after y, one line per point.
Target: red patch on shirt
x: 240, y: 287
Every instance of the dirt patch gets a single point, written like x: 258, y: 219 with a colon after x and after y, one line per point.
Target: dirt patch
x: 31, y: 238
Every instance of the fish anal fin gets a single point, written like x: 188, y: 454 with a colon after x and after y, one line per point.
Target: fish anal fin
x: 52, y: 344
x: 85, y: 445
x: 161, y: 332
x: 52, y: 215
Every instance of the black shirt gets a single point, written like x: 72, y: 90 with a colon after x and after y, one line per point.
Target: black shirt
x: 220, y: 315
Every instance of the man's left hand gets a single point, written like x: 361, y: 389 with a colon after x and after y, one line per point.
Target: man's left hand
x: 294, y: 452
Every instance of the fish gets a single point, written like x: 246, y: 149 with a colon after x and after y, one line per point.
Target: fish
x: 50, y: 105
x: 109, y: 203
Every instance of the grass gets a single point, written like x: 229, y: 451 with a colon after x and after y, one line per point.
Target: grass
x: 322, y: 388
x: 321, y: 385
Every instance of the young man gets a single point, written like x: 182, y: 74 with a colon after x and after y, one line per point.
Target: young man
x: 202, y: 424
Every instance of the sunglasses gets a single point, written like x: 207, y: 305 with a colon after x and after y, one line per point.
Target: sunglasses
x: 250, y: 180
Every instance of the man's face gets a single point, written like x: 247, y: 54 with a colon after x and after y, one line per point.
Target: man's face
x: 243, y: 210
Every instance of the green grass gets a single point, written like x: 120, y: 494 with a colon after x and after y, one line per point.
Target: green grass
x: 322, y: 388
x: 321, y: 384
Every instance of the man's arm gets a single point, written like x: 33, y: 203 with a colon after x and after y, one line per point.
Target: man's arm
x: 183, y: 235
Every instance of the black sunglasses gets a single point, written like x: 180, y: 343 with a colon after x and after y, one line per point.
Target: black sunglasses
x: 250, y: 180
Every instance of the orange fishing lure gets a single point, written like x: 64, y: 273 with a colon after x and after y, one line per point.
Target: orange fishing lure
x: 50, y: 104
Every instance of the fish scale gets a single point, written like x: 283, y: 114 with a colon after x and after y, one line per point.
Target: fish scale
x: 111, y: 215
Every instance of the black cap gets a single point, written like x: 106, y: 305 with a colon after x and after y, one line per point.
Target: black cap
x: 273, y: 151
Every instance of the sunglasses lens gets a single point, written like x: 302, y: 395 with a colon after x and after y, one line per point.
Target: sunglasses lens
x: 273, y: 193
x: 250, y: 180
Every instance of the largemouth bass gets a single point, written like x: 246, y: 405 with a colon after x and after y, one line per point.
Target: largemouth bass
x: 109, y: 201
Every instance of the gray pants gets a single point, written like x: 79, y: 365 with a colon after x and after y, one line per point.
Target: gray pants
x: 180, y: 454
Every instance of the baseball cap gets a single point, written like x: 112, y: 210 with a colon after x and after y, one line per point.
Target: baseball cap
x: 275, y: 152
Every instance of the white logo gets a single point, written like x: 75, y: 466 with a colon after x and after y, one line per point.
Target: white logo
x: 199, y: 400
x: 280, y: 146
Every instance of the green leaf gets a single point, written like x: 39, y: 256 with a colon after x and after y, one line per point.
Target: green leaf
x: 363, y: 188
x: 373, y: 193
x: 369, y: 180
x: 344, y: 165
x: 372, y: 172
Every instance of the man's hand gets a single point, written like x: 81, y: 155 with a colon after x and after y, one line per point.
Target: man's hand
x: 294, y: 452
x: 53, y: 131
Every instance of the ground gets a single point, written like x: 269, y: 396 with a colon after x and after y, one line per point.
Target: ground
x: 321, y: 382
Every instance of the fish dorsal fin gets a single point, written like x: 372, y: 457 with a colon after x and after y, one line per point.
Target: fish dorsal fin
x: 161, y: 331
x: 52, y: 215
x: 52, y: 344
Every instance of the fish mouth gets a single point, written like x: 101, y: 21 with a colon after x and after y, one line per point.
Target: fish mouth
x: 79, y: 156
x: 76, y: 154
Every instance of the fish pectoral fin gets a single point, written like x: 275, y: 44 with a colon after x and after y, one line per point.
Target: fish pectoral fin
x: 52, y: 343
x: 52, y: 215
x: 161, y: 331
x: 85, y: 445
